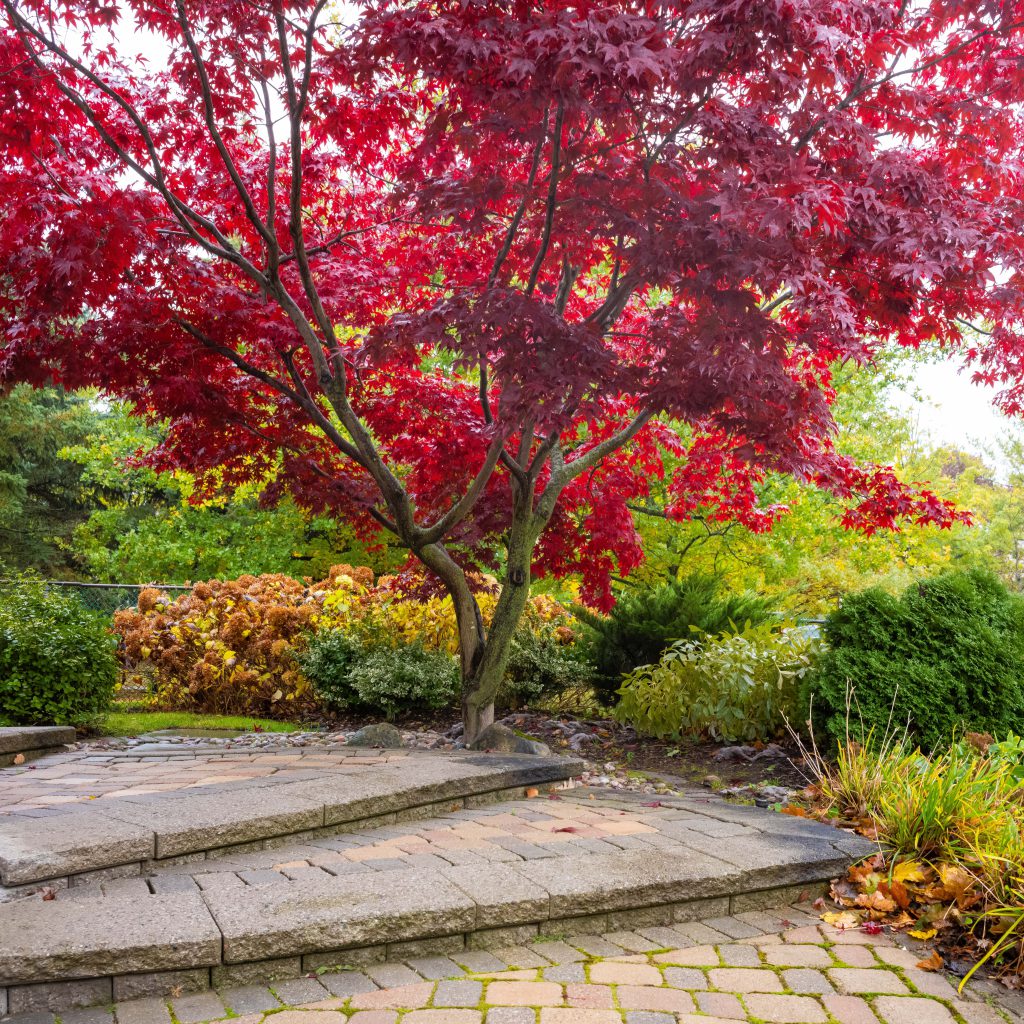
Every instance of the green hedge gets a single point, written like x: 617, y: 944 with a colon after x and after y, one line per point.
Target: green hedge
x: 57, y: 660
x: 945, y: 655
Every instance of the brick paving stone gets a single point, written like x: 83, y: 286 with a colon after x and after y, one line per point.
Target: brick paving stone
x: 735, y: 955
x: 856, y: 956
x: 633, y: 941
x: 434, y: 968
x: 443, y: 1016
x: 594, y: 945
x: 87, y: 1015
x: 299, y: 990
x: 668, y: 938
x: 565, y: 973
x: 784, y: 955
x: 372, y: 1017
x: 578, y: 1015
x: 511, y: 976
x: 744, y: 979
x: 511, y: 1015
x: 649, y: 1017
x: 35, y: 1017
x: 849, y: 1009
x: 142, y: 1011
x: 520, y: 956
x: 801, y: 936
x: 391, y: 975
x: 930, y: 983
x: 733, y: 927
x: 458, y: 993
x: 897, y: 956
x: 646, y: 997
x: 721, y: 1004
x: 860, y: 981
x: 977, y: 1013
x: 310, y: 1017
x: 695, y: 956
x: 243, y: 999
x: 558, y: 952
x: 606, y: 973
x: 524, y: 993
x: 912, y: 1010
x: 807, y: 980
x: 685, y: 977
x: 346, y: 983
x: 200, y: 1006
x: 596, y: 997
x: 785, y: 1009
x: 700, y: 933
x: 403, y: 997
x: 479, y: 961
x: 853, y: 937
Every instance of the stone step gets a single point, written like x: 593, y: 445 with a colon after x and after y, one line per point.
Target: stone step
x: 27, y: 742
x: 132, y: 833
x: 707, y: 859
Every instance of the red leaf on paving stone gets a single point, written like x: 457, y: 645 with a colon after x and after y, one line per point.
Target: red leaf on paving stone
x: 567, y: 828
x: 554, y: 796
x: 871, y: 928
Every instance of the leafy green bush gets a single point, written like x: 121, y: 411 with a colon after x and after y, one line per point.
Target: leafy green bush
x: 644, y: 622
x: 57, y: 661
x: 734, y: 686
x: 349, y: 670
x: 542, y: 662
x: 946, y: 655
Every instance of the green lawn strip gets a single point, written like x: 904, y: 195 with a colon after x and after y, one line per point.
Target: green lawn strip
x: 135, y: 723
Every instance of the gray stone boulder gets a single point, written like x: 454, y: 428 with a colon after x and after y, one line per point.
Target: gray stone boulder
x: 502, y: 739
x: 380, y: 734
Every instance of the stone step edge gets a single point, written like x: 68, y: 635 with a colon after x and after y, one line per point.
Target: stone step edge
x: 319, y: 920
x: 62, y: 995
x: 413, y: 812
x: 31, y: 742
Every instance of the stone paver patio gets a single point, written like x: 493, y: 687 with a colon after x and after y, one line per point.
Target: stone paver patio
x: 778, y: 966
x: 173, y: 872
x: 80, y: 776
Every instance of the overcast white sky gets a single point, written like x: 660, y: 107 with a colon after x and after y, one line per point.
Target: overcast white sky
x: 954, y: 410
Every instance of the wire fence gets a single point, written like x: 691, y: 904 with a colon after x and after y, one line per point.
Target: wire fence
x: 110, y: 597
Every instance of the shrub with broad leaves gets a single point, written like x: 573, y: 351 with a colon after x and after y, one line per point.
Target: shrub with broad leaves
x: 57, y: 660
x: 730, y: 687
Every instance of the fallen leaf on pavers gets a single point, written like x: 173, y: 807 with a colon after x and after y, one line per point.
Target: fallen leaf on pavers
x: 932, y: 963
x: 532, y: 792
x: 555, y: 796
x: 871, y: 928
x: 19, y: 758
x: 48, y: 893
x: 653, y: 803
x: 956, y: 881
x: 842, y: 919
x: 566, y: 828
x: 876, y: 902
x: 795, y: 810
x: 819, y: 903
x: 176, y: 991
x: 898, y: 891
x: 923, y: 933
x: 910, y: 871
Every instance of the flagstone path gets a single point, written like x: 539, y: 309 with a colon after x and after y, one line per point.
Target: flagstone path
x: 768, y: 966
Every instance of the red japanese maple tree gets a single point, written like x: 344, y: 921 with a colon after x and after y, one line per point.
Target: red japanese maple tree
x: 464, y: 270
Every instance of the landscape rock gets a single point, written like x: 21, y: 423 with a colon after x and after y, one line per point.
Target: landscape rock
x: 380, y: 734
x: 501, y: 738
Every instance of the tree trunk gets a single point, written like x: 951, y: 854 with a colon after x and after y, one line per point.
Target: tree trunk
x: 484, y: 653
